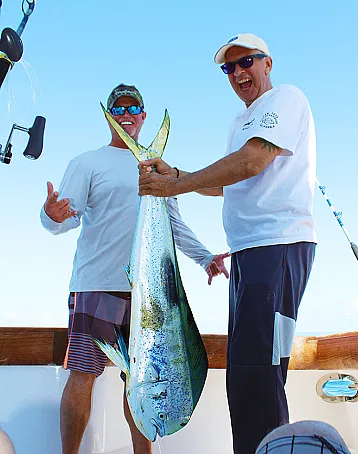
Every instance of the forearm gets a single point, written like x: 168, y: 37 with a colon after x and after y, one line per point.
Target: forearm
x: 245, y: 163
x: 185, y: 239
x: 226, y: 171
x: 213, y: 192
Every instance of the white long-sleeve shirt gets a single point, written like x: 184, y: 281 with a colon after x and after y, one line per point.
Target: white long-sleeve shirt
x: 102, y: 186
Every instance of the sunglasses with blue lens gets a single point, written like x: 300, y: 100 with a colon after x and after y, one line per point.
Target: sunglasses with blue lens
x: 243, y: 62
x: 132, y: 110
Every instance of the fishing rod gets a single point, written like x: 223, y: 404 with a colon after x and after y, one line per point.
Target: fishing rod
x: 11, y: 47
x: 338, y: 216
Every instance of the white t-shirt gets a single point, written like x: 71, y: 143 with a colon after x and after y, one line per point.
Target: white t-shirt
x: 274, y: 207
x: 103, y: 187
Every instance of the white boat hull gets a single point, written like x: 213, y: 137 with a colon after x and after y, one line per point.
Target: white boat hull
x: 30, y: 399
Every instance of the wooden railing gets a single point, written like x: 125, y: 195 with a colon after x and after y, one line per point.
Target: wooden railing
x: 42, y: 346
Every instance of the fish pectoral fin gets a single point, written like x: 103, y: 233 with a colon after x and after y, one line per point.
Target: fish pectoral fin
x: 156, y: 148
x: 114, y: 354
x: 122, y: 345
x: 141, y: 404
x: 140, y: 152
x: 154, y: 372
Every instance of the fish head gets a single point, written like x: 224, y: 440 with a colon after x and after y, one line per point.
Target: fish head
x: 148, y: 404
x: 153, y: 413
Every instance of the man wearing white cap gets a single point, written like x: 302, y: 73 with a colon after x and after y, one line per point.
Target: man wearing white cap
x: 267, y: 178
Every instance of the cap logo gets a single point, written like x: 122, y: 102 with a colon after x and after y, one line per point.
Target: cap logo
x: 124, y: 90
x: 232, y: 39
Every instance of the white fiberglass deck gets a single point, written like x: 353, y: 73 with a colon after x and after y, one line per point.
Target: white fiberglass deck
x: 29, y: 413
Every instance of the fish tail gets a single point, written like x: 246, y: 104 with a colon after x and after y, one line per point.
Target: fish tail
x: 156, y: 148
x: 141, y: 153
x: 137, y: 149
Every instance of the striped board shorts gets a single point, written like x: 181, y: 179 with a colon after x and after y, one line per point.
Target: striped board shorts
x: 95, y: 315
x: 303, y: 444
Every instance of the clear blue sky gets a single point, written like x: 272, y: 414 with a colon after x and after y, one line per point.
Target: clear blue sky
x: 77, y: 51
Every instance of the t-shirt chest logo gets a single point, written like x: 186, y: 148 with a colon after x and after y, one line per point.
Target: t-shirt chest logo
x: 269, y: 120
x: 248, y: 124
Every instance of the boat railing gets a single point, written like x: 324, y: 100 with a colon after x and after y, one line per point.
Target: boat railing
x: 47, y: 346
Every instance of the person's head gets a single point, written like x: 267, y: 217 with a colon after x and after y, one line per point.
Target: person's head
x: 246, y: 60
x: 6, y: 447
x: 280, y: 440
x: 126, y: 106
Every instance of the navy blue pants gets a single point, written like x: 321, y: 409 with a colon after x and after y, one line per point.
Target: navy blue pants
x: 266, y: 288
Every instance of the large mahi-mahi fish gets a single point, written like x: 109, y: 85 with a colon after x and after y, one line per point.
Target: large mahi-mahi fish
x: 167, y: 363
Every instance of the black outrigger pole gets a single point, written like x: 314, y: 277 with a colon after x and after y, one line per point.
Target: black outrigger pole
x: 11, y: 50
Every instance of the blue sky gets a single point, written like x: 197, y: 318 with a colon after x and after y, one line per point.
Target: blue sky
x: 76, y: 52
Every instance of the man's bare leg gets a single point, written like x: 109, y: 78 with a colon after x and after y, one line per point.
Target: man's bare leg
x: 75, y: 410
x: 140, y: 444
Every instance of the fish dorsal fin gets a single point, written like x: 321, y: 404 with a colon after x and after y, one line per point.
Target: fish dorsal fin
x: 156, y: 148
x: 140, y: 152
x: 196, y: 353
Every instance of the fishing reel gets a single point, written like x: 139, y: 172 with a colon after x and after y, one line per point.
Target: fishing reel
x: 34, y: 146
x: 11, y: 47
x: 11, y: 50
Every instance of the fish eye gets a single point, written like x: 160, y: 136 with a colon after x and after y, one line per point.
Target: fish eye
x: 161, y: 416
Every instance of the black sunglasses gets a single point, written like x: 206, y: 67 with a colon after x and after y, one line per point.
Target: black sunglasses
x: 243, y: 62
x: 119, y: 110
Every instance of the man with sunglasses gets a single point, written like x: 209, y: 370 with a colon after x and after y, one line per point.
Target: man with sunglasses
x: 267, y: 179
x: 100, y: 186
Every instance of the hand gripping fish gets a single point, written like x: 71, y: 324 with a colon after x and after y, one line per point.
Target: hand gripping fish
x: 167, y: 363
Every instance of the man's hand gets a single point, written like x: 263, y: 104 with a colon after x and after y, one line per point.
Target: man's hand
x: 161, y: 167
x: 153, y: 183
x: 57, y: 210
x: 217, y: 266
x: 159, y: 183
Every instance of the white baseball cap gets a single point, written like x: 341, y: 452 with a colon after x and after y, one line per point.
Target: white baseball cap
x: 247, y: 40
